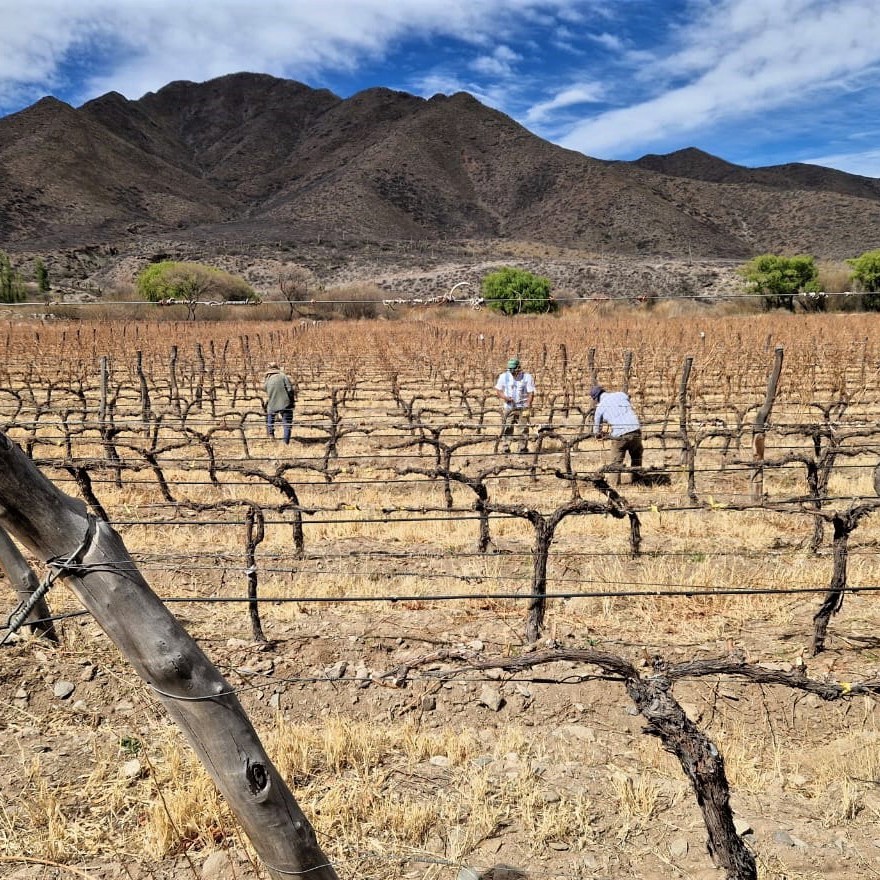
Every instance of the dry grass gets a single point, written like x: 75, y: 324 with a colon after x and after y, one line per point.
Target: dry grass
x: 385, y: 779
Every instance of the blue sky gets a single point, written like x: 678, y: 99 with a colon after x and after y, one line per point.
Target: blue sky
x: 756, y: 82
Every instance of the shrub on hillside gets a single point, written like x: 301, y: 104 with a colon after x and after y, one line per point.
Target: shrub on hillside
x: 780, y: 279
x: 866, y: 271
x: 517, y: 292
x: 11, y: 284
x: 190, y: 283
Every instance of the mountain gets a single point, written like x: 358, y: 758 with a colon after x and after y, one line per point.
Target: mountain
x: 261, y: 159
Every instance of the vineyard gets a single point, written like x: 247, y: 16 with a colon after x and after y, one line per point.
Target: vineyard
x: 465, y: 663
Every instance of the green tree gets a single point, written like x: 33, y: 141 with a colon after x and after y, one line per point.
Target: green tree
x: 41, y: 276
x: 517, y: 292
x: 866, y: 271
x: 190, y: 283
x: 11, y: 285
x: 780, y: 279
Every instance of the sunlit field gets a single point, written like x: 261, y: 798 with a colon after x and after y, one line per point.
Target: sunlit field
x: 393, y: 531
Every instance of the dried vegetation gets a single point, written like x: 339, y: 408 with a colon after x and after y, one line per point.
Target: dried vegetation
x: 375, y: 564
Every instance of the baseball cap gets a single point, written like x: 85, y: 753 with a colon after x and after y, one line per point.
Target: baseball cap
x: 513, y: 363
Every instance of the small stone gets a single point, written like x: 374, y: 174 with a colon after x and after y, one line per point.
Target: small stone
x: 678, y: 848
x: 468, y: 874
x: 741, y: 826
x: 476, y: 645
x: 336, y: 671
x: 63, y: 689
x: 237, y: 643
x: 491, y: 698
x: 429, y: 703
x: 275, y: 701
x: 81, y: 706
x: 88, y: 672
x: 131, y: 769
x: 692, y: 711
x: 559, y: 845
x: 218, y: 867
x: 439, y: 761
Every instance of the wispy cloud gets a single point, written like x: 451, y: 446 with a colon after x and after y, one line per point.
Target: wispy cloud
x: 866, y: 163
x: 740, y: 59
x: 573, y: 96
x: 162, y: 40
x: 611, y: 79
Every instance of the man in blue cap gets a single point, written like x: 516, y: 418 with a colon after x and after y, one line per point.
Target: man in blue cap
x: 614, y: 408
x: 517, y: 389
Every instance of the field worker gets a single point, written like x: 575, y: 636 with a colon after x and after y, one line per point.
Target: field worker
x: 614, y: 408
x: 281, y: 399
x: 517, y: 389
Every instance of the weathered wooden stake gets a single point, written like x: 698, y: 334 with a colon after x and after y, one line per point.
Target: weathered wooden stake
x: 756, y: 477
x: 25, y: 583
x: 105, y: 579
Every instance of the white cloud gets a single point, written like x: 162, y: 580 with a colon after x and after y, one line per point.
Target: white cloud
x: 609, y: 41
x: 586, y: 93
x: 743, y: 59
x: 500, y: 63
x: 155, y: 41
x: 866, y: 163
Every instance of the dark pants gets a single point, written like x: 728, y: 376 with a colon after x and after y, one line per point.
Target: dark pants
x: 286, y: 422
x: 629, y: 443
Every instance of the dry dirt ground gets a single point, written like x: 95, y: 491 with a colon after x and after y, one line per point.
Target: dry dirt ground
x: 555, y: 780
x: 462, y: 774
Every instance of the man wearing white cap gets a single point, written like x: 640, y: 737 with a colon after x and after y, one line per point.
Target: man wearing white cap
x: 517, y: 389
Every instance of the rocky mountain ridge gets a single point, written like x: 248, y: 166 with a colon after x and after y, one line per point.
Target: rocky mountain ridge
x: 249, y: 163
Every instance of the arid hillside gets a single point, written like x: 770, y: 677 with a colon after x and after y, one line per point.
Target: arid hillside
x: 264, y: 161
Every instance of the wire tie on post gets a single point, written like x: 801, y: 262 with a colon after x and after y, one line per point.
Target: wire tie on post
x: 58, y: 567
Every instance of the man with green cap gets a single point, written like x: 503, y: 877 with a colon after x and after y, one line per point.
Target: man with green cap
x: 517, y: 389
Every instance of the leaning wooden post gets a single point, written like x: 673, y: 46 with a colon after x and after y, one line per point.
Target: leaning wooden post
x: 688, y: 450
x: 756, y: 477
x: 103, y: 576
x: 25, y: 583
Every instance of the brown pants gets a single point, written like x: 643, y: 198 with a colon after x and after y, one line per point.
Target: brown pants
x: 515, y: 421
x: 629, y: 443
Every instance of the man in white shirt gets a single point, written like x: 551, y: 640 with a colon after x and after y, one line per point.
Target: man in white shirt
x: 517, y: 389
x: 614, y: 408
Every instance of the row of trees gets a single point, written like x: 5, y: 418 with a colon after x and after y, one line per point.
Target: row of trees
x: 781, y: 279
x: 12, y: 284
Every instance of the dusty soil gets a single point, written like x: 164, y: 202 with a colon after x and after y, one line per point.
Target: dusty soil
x: 547, y: 774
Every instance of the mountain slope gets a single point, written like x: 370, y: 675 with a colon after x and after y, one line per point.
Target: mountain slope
x: 267, y: 159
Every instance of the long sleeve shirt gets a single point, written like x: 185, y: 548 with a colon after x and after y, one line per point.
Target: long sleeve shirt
x: 615, y: 409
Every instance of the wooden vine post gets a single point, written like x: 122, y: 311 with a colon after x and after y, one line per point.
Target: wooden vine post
x: 25, y: 583
x: 756, y: 477
x: 92, y: 558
